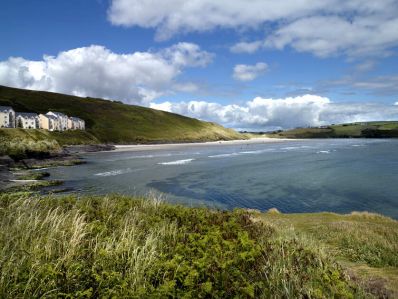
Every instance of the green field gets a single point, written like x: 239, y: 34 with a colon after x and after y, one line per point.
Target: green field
x: 113, y: 122
x: 124, y: 247
x: 376, y: 129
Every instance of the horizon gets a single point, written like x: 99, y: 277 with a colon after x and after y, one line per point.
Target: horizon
x: 255, y: 67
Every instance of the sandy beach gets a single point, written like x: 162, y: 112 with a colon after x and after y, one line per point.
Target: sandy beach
x: 142, y: 147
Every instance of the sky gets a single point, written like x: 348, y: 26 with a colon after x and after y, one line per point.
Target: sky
x: 247, y: 64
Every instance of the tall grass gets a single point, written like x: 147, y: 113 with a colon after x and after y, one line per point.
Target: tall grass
x: 116, y: 246
x: 22, y: 148
x: 365, y: 243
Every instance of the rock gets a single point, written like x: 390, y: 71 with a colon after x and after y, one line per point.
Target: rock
x: 6, y: 161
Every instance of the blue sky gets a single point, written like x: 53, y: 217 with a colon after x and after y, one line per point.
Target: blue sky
x: 248, y: 66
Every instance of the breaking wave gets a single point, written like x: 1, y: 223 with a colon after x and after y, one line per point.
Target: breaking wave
x: 178, y: 162
x: 116, y: 172
x: 323, y: 152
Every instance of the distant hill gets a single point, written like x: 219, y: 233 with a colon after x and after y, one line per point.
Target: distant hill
x: 375, y: 129
x: 111, y: 121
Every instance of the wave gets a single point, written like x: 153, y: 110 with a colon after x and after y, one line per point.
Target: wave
x: 290, y: 148
x: 150, y: 156
x: 257, y: 151
x: 252, y: 152
x: 224, y: 155
x: 241, y: 153
x: 116, y: 172
x: 323, y: 152
x: 178, y: 162
x: 138, y: 157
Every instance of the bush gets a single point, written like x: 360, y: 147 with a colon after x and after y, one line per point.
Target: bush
x: 116, y: 246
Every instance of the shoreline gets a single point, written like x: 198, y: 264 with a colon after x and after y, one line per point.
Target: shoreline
x: 143, y: 147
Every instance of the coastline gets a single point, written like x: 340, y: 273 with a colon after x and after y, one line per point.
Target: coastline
x: 142, y: 147
x: 70, y: 156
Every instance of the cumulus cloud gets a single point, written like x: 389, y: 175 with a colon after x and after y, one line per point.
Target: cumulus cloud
x: 96, y: 71
x: 354, y: 28
x: 244, y: 72
x: 246, y: 47
x: 263, y: 114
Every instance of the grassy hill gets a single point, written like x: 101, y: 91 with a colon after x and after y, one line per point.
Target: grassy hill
x: 112, y: 122
x: 376, y: 129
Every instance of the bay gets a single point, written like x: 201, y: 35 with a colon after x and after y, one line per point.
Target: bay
x: 336, y: 175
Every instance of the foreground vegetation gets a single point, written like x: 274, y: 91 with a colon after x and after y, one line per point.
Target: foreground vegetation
x: 114, y: 122
x: 376, y: 129
x: 365, y: 244
x: 116, y: 246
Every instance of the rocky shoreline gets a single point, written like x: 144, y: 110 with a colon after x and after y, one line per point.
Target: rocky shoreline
x: 16, y: 174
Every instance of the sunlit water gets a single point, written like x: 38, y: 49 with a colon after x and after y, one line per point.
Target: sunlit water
x: 293, y: 176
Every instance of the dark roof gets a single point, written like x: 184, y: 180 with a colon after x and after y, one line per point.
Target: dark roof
x: 59, y: 114
x: 4, y: 108
x: 50, y: 116
x: 75, y: 118
x: 26, y: 114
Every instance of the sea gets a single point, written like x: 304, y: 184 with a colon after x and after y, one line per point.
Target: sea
x: 314, y: 175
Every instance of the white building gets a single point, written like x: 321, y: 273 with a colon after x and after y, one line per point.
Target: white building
x: 75, y: 123
x: 7, y: 117
x: 62, y: 118
x: 26, y: 120
x: 52, y: 121
x: 49, y: 122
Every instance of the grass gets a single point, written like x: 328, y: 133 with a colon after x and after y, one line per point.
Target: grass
x: 55, y: 163
x: 114, y: 122
x: 378, y: 129
x: 32, y: 187
x: 32, y: 175
x: 118, y: 246
x: 19, y: 149
x: 365, y: 243
x: 61, y: 138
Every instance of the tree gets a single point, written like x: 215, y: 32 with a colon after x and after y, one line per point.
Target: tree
x: 19, y: 123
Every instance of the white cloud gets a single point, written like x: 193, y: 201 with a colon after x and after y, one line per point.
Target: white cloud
x: 354, y: 28
x: 365, y: 66
x: 378, y: 85
x: 300, y: 111
x: 396, y: 104
x: 246, y: 47
x: 244, y: 72
x: 95, y: 71
x: 328, y: 35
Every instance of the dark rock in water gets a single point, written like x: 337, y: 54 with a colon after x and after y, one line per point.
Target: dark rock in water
x: 5, y: 175
x: 6, y: 161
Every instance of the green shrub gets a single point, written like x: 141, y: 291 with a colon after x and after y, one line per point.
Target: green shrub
x: 116, y: 246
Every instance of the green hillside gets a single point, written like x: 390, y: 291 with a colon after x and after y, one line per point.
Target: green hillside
x: 114, y: 122
x: 375, y: 129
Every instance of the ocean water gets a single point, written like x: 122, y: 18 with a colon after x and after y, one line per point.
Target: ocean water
x: 340, y: 175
